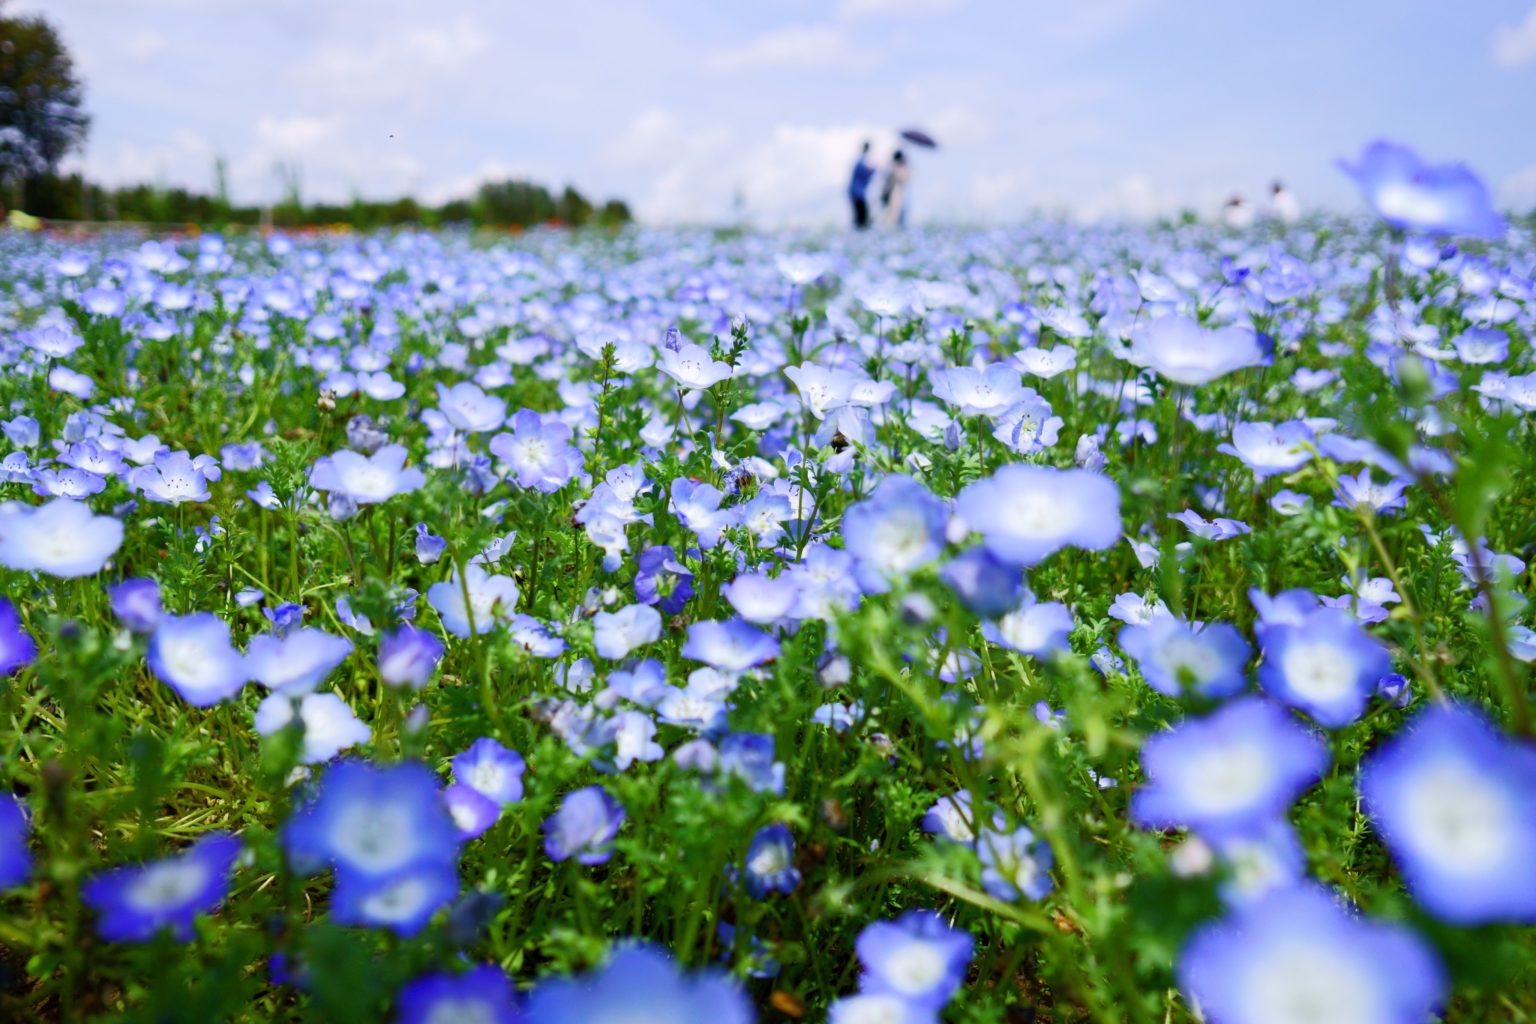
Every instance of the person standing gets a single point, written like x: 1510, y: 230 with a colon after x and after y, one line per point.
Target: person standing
x: 893, y: 197
x: 858, y: 189
x: 1282, y: 204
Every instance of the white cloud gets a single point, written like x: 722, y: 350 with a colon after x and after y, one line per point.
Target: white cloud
x: 145, y: 45
x: 1515, y: 45
x: 395, y: 65
x: 794, y: 46
x: 293, y: 135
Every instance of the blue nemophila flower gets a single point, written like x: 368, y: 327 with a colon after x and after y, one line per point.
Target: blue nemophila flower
x: 1325, y: 665
x: 1409, y: 194
x: 1034, y: 627
x: 953, y: 817
x: 469, y: 409
x: 1362, y: 492
x: 748, y: 756
x: 62, y: 538
x: 192, y: 654
x: 693, y: 368
x: 136, y: 603
x: 899, y: 528
x: 615, y: 634
x: 762, y: 599
x: 403, y: 902
x: 366, y: 479
x: 1455, y: 802
x: 538, y: 451
x: 770, y: 864
x: 917, y: 957
x: 731, y: 645
x: 330, y: 726
x: 1014, y: 864
x: 1231, y: 772
x: 135, y: 903
x: 17, y: 648
x: 15, y: 860
x: 409, y: 656
x: 297, y: 662
x: 481, y: 995
x: 372, y: 822
x: 1026, y: 513
x: 1270, y: 449
x: 1179, y: 349
x: 639, y: 983
x: 583, y: 827
x: 697, y: 506
x: 174, y: 478
x: 988, y: 391
x: 492, y: 600
x: 985, y: 585
x: 661, y: 580
x: 429, y: 546
x: 879, y: 1008
x: 1296, y: 955
x: 1219, y: 528
x: 1178, y: 657
x: 491, y: 769
x: 473, y: 812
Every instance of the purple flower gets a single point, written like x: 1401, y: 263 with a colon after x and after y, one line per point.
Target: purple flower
x: 133, y: 904
x: 583, y: 827
x: 1411, y: 195
x: 15, y: 860
x: 1232, y: 772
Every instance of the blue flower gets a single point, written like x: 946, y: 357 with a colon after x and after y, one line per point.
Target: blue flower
x: 473, y: 812
x: 329, y: 724
x: 770, y: 865
x: 660, y: 579
x: 732, y: 645
x: 481, y: 995
x: 373, y: 822
x: 1027, y: 513
x: 15, y: 860
x: 297, y: 662
x: 402, y: 902
x: 538, y: 451
x: 491, y: 599
x: 192, y: 655
x: 136, y: 603
x: 61, y: 538
x: 491, y: 769
x: 879, y: 1008
x: 409, y: 656
x: 1326, y: 665
x: 429, y: 546
x: 986, y: 586
x: 17, y: 648
x: 639, y: 980
x: 1182, y: 351
x: 135, y: 903
x: 583, y: 827
x: 1455, y: 803
x: 366, y: 479
x: 173, y: 478
x: 1014, y: 864
x: 1270, y: 449
x: 615, y: 634
x: 760, y: 598
x: 469, y: 409
x: 918, y: 957
x: 1297, y: 955
x: 1411, y: 195
x: 1035, y: 627
x: 1229, y: 773
x: 748, y: 756
x: 1177, y: 657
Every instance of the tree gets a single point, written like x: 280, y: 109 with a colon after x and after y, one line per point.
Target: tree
x: 41, y: 113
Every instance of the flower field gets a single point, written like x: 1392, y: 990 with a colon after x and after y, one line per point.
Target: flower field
x: 1056, y: 623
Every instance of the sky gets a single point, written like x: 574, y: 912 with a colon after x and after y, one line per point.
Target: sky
x: 702, y: 111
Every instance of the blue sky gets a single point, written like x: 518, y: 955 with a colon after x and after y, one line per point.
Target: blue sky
x: 1097, y: 108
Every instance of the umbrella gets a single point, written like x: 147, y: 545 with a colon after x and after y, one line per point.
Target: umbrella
x: 918, y: 137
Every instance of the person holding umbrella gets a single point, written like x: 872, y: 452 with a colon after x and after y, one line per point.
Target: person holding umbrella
x: 858, y: 189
